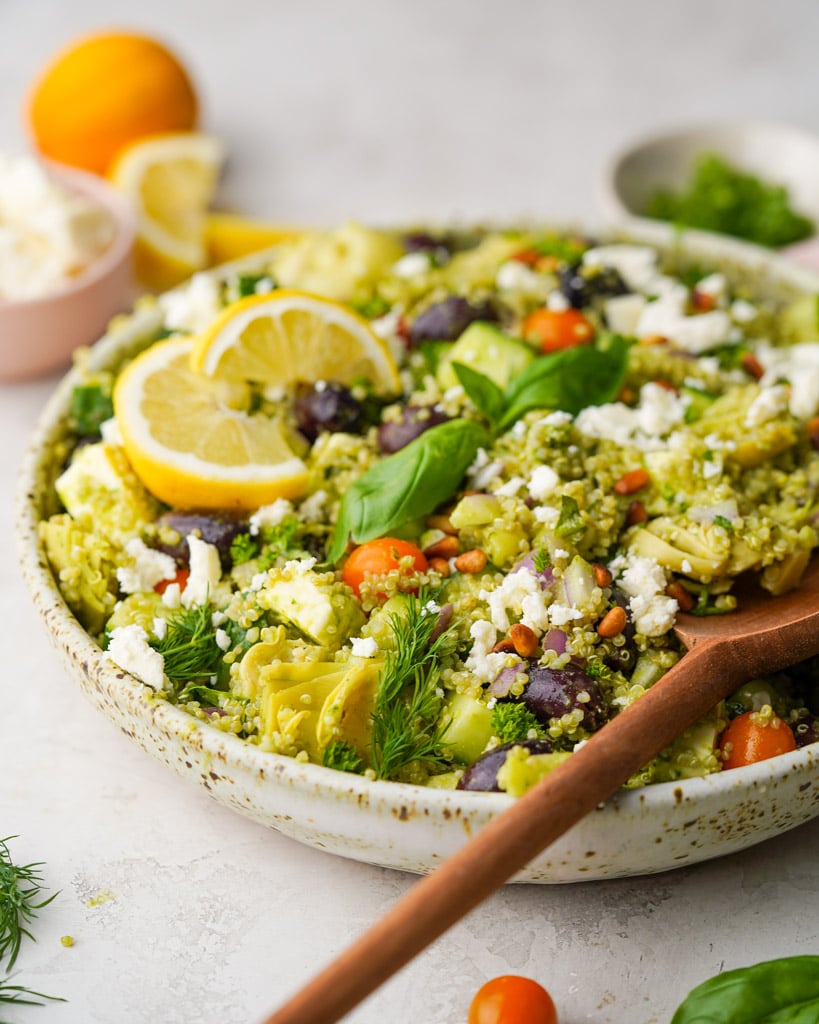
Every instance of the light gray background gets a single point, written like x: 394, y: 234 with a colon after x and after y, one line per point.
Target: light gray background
x: 383, y: 111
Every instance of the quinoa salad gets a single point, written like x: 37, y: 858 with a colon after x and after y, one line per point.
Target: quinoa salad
x: 474, y: 567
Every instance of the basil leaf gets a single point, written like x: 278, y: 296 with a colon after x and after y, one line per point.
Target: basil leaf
x: 570, y: 379
x: 408, y: 484
x: 483, y: 392
x: 782, y: 991
x: 570, y: 521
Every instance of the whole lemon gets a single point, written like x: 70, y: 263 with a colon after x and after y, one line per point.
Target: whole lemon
x: 104, y: 91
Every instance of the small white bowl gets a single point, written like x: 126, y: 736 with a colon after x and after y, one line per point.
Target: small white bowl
x: 779, y: 153
x: 38, y: 335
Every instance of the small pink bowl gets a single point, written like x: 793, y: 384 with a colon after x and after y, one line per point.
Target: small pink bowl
x: 38, y: 335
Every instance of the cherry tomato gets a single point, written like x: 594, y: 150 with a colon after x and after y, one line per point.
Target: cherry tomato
x: 752, y: 737
x: 181, y: 578
x: 556, y: 329
x: 378, y: 557
x: 511, y: 999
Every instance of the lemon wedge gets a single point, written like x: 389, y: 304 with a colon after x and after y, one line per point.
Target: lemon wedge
x: 229, y: 236
x: 190, y: 442
x: 287, y: 336
x: 171, y: 180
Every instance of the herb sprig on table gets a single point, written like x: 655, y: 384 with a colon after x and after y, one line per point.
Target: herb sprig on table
x: 20, y: 891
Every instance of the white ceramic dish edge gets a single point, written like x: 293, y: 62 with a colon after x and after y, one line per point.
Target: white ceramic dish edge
x: 390, y: 824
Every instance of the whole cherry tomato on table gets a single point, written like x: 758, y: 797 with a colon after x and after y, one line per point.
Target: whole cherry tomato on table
x: 511, y: 999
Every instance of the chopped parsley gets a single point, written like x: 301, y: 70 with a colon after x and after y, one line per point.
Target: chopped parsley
x: 91, y: 406
x: 722, y: 198
x: 512, y: 722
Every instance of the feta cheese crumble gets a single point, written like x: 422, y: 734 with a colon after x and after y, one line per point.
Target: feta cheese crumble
x: 206, y: 571
x: 128, y: 649
x: 363, y: 647
x: 148, y: 568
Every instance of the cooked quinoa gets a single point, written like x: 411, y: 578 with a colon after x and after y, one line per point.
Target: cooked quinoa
x: 618, y: 436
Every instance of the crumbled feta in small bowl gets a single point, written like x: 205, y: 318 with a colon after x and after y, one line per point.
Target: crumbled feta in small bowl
x: 66, y: 243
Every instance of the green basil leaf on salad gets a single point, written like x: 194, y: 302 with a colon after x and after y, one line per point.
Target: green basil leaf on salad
x: 483, y: 392
x: 570, y: 379
x: 408, y: 484
x: 782, y: 991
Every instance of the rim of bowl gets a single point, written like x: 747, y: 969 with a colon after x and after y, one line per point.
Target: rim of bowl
x: 55, y: 613
x: 608, y: 192
x: 121, y: 245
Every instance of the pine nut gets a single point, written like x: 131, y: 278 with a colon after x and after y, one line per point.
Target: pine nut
x: 813, y: 432
x: 505, y: 646
x: 471, y: 561
x: 441, y: 566
x: 634, y: 480
x: 636, y: 513
x: 442, y: 523
x: 602, y: 577
x: 680, y: 595
x: 613, y: 622
x: 446, y: 547
x: 524, y: 640
x: 752, y: 366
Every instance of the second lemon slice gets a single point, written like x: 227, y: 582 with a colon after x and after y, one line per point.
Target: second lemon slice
x: 288, y: 336
x: 171, y: 180
x: 190, y: 442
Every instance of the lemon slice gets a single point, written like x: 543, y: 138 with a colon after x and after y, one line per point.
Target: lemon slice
x: 229, y: 236
x: 288, y: 336
x: 171, y: 180
x: 191, y: 444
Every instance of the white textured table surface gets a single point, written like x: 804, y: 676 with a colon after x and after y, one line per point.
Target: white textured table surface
x: 183, y: 912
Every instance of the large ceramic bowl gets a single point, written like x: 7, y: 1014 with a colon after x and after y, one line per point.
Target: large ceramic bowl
x: 401, y: 826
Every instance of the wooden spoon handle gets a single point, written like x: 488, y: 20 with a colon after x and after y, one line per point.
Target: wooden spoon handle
x: 701, y: 678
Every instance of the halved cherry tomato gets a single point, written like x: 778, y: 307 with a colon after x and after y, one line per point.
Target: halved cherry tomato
x: 753, y: 737
x: 511, y: 999
x: 556, y: 329
x: 181, y: 578
x: 378, y: 557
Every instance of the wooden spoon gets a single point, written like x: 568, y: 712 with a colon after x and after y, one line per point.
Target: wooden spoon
x: 764, y: 635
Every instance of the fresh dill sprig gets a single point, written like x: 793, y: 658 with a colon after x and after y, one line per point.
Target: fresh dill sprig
x: 19, y: 995
x: 20, y: 888
x: 189, y: 647
x: 408, y: 702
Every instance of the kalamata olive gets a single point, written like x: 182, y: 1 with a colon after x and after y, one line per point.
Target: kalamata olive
x: 217, y: 529
x: 806, y: 730
x: 623, y: 658
x: 448, y: 319
x: 553, y: 692
x: 482, y: 776
x: 581, y: 284
x: 393, y: 435
x: 424, y: 241
x: 326, y: 406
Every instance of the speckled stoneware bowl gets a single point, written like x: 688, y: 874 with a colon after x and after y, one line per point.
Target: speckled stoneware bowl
x: 400, y: 826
